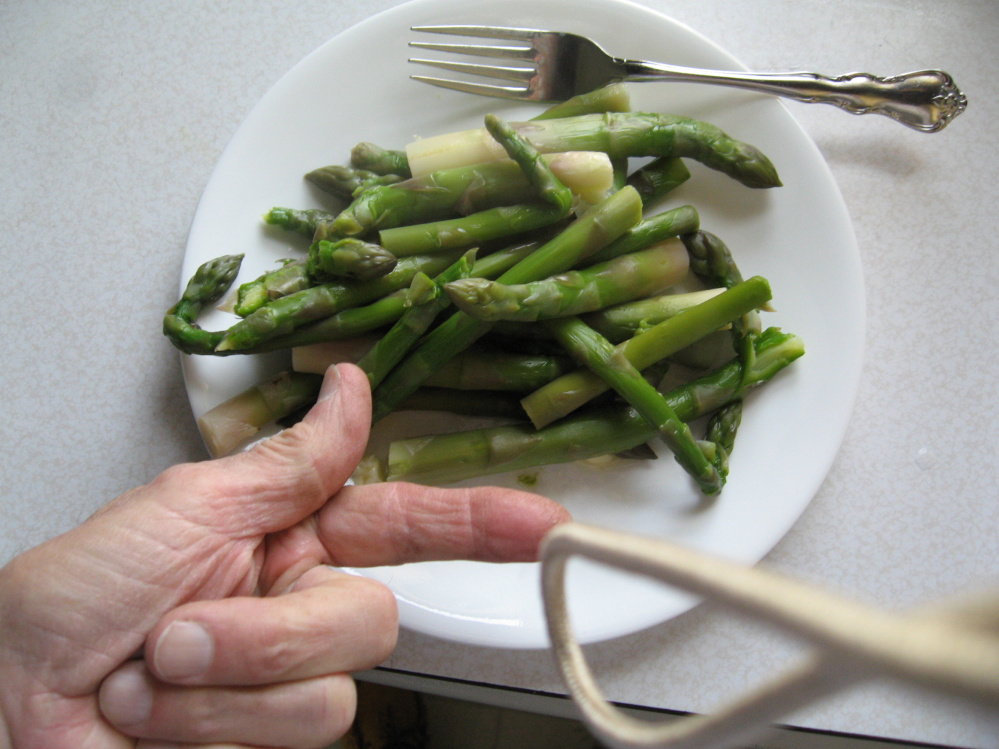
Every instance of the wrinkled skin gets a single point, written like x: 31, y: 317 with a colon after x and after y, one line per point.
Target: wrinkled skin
x: 200, y: 610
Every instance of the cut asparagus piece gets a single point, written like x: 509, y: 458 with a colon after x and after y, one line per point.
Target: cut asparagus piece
x: 235, y: 421
x: 633, y: 276
x: 562, y: 396
x: 457, y: 456
x: 618, y: 134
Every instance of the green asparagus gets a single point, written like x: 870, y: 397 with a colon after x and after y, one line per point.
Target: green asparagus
x: 209, y: 282
x: 348, y: 258
x: 233, y: 422
x: 462, y: 455
x: 284, y: 315
x: 384, y: 161
x: 657, y: 178
x: 633, y: 276
x: 585, y: 236
x: 562, y: 396
x: 306, y: 222
x: 601, y: 357
x: 468, y: 189
x: 345, y: 182
x: 292, y: 276
x: 618, y: 134
x: 425, y: 301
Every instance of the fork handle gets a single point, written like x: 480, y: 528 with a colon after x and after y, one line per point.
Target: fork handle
x: 924, y: 100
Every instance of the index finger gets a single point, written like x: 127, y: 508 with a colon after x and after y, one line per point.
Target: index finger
x: 398, y: 522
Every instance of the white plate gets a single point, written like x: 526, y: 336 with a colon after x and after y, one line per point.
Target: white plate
x: 356, y: 87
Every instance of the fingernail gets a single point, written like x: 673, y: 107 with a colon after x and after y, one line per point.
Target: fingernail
x: 331, y: 383
x: 185, y: 649
x: 126, y: 697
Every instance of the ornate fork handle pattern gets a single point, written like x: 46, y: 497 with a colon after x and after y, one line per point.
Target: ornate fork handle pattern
x: 924, y: 100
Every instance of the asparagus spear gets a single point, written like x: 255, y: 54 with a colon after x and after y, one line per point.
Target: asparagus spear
x: 233, y: 422
x: 425, y: 301
x: 345, y: 182
x: 373, y: 158
x: 623, y: 321
x: 306, y: 222
x: 463, y: 455
x: 657, y: 228
x: 585, y: 236
x: 490, y: 370
x: 348, y: 258
x: 569, y: 392
x: 539, y: 174
x: 658, y: 177
x: 464, y: 190
x: 612, y: 98
x: 618, y: 134
x: 633, y: 276
x: 468, y: 231
x: 385, y: 311
x: 283, y: 315
x: 209, y: 282
x: 292, y: 276
x: 600, y: 357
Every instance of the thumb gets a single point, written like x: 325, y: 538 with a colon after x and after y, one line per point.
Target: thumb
x: 283, y: 479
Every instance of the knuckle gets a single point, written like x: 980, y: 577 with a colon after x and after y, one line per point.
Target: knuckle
x: 332, y: 709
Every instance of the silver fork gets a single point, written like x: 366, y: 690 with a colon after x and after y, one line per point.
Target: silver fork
x: 556, y: 66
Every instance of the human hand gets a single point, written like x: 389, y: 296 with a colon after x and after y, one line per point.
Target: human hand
x: 199, y: 609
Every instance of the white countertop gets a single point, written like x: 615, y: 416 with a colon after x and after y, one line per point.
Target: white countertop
x: 112, y: 116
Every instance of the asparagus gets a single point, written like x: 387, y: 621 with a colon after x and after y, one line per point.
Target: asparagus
x: 292, y: 276
x: 468, y: 231
x: 569, y: 392
x: 283, y: 315
x: 539, y: 174
x: 463, y: 455
x: 373, y: 158
x: 464, y: 402
x: 600, y: 356
x: 711, y: 259
x: 345, y: 182
x: 618, y: 134
x: 209, y: 282
x: 585, y: 236
x: 444, y: 194
x: 633, y: 276
x: 491, y: 370
x: 623, y: 321
x: 658, y: 177
x: 425, y: 301
x: 348, y: 258
x: 236, y: 420
x: 657, y: 228
x: 612, y: 98
x: 306, y: 222
x: 383, y: 312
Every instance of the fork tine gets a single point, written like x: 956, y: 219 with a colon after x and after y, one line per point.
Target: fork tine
x: 480, y: 50
x: 490, y: 71
x: 482, y: 89
x: 489, y: 32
